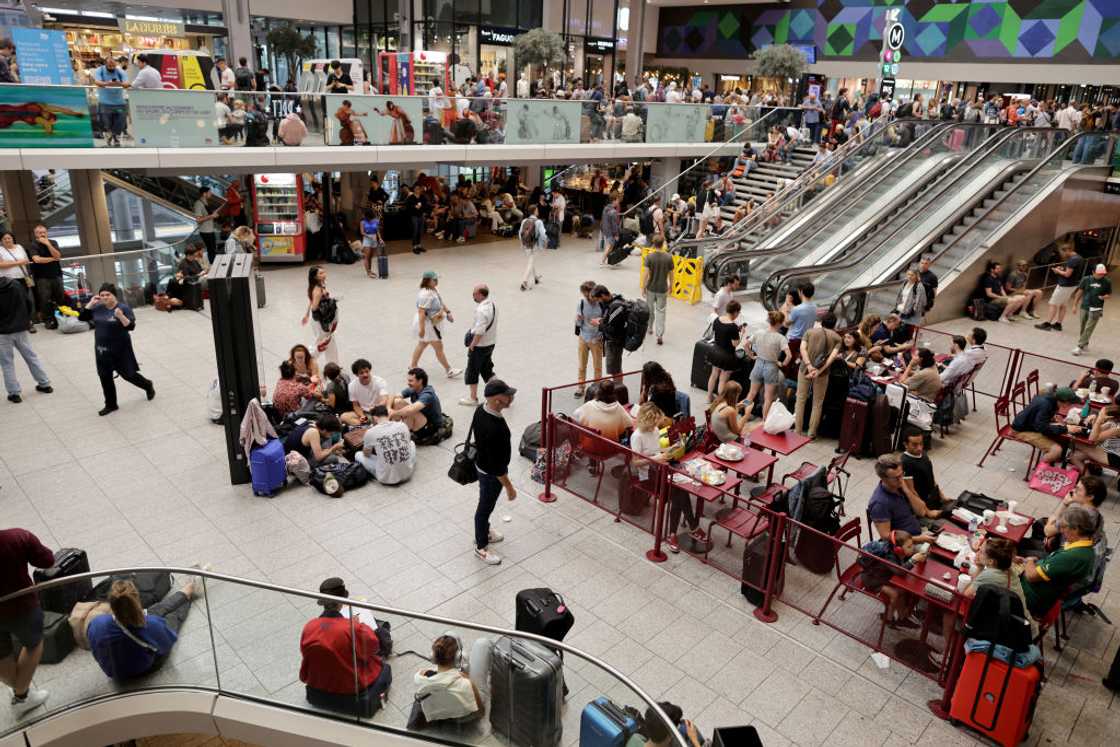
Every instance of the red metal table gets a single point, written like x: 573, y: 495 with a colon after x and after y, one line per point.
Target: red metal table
x: 915, y: 653
x: 752, y: 463
x: 784, y: 443
x: 703, y: 494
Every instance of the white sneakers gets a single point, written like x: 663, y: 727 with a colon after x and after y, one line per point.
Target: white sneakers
x: 495, y: 536
x: 487, y: 557
x: 1077, y: 351
x: 453, y: 372
x: 468, y: 402
x: 35, y: 697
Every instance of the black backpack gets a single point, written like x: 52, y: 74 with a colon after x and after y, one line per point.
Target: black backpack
x: 645, y: 221
x: 347, y: 476
x: 636, y: 323
x: 618, y: 312
x: 530, y: 441
x: 821, y: 509
x: 997, y: 615
x: 243, y: 79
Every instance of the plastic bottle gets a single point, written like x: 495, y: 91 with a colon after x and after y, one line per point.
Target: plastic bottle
x: 1085, y: 408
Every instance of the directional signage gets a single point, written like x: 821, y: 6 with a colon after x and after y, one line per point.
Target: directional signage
x: 886, y: 89
x: 896, y: 34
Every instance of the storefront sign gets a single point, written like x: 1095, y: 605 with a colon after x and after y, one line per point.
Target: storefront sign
x: 594, y: 45
x: 535, y: 121
x: 380, y: 120
x: 886, y: 89
x: 173, y: 119
x: 44, y: 117
x: 151, y: 28
x: 500, y: 35
x: 676, y: 123
x: 43, y: 57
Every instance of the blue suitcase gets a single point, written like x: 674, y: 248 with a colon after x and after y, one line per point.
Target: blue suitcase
x: 605, y: 724
x: 266, y: 465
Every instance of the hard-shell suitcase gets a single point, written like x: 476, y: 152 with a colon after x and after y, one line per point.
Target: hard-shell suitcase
x: 383, y: 266
x: 756, y: 567
x: 526, y: 693
x: 996, y: 699
x: 618, y: 253
x: 552, y: 231
x: 543, y: 611
x: 853, y: 425
x: 68, y: 561
x: 58, y: 637
x: 258, y: 280
x: 701, y: 368
x: 605, y: 724
x: 881, y: 436
x: 267, y: 467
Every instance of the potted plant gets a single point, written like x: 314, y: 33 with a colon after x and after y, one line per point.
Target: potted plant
x: 780, y: 61
x: 539, y: 47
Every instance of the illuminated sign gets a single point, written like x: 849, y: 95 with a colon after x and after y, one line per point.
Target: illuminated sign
x: 497, y: 35
x: 594, y: 45
x: 151, y: 28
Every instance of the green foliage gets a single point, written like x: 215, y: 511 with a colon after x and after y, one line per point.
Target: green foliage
x: 539, y: 47
x: 780, y: 61
x: 285, y: 41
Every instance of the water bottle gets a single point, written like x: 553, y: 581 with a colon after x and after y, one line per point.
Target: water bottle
x: 1085, y: 408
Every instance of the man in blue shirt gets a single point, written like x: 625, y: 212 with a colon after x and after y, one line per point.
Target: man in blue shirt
x: 419, y: 408
x: 889, y: 509
x: 811, y: 112
x: 801, y: 319
x: 111, y: 81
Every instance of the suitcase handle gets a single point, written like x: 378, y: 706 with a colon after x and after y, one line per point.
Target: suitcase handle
x: 980, y: 690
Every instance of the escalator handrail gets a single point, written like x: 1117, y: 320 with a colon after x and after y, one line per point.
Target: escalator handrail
x: 704, y: 158
x: 1060, y: 151
x: 863, y: 186
x: 114, y: 178
x: 958, y: 172
x: 778, y: 201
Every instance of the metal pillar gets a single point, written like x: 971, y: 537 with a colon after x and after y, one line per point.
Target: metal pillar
x: 235, y: 13
x: 95, y: 232
x: 20, y: 203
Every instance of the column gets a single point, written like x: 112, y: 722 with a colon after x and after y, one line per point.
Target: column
x: 20, y: 203
x: 94, y: 230
x: 634, y: 40
x: 235, y: 14
x: 661, y: 170
x: 405, y: 25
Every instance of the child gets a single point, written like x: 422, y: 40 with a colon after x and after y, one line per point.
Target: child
x: 237, y: 121
x: 995, y: 558
x: 371, y: 237
x: 646, y: 440
x: 899, y: 549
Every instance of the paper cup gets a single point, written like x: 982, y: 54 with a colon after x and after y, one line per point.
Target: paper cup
x: 963, y: 581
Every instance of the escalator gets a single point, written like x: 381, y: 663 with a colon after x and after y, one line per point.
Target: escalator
x: 1038, y: 162
x: 174, y: 193
x: 799, y: 210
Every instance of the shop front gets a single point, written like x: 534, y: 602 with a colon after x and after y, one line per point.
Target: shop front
x: 598, y: 62
x: 495, y: 52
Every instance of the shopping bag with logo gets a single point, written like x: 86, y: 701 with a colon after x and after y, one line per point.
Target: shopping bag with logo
x: 1054, y: 480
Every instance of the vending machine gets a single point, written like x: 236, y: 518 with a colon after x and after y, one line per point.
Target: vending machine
x: 278, y: 217
x: 400, y: 73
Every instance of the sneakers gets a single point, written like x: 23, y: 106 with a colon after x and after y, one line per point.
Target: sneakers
x: 195, y: 582
x: 460, y: 240
x: 487, y: 557
x: 1056, y: 326
x: 44, y: 388
x: 1045, y: 326
x: 495, y: 536
x: 1029, y: 315
x: 577, y: 393
x: 698, y: 535
x: 15, y: 399
x: 674, y: 547
x: 524, y: 287
x: 1077, y: 350
x: 660, y: 341
x: 35, y: 697
x: 468, y: 402
x: 453, y: 372
x: 107, y: 409
x: 1004, y: 320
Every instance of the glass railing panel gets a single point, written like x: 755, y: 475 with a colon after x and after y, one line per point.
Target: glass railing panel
x: 139, y: 274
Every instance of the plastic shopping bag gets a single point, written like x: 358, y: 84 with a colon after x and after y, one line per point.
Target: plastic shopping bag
x: 779, y: 420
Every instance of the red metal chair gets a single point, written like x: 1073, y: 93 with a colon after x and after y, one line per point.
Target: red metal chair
x: 1004, y: 432
x: 1019, y: 397
x: 598, y: 451
x: 969, y: 381
x: 1047, y: 621
x: 836, y: 472
x: 739, y: 522
x: 1032, y: 384
x: 851, y: 579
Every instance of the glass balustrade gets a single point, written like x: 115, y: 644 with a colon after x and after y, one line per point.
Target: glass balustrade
x: 139, y: 274
x: 470, y: 681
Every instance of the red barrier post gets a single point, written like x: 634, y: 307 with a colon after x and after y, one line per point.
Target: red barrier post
x: 656, y: 555
x: 765, y: 613
x: 548, y: 426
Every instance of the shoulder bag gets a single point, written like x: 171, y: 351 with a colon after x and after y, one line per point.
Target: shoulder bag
x: 469, y: 337
x: 463, y: 470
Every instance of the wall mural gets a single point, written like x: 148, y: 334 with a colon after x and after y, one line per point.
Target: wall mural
x: 1071, y: 31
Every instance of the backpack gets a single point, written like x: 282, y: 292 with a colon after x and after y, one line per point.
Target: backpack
x: 997, y: 616
x: 335, y: 479
x: 636, y: 323
x: 906, y: 110
x: 530, y: 441
x: 820, y: 509
x: 616, y: 317
x: 645, y: 222
x: 243, y: 79
x: 528, y: 232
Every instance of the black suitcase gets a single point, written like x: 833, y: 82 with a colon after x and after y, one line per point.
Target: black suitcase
x: 192, y: 296
x: 58, y: 637
x: 526, y: 693
x: 552, y: 231
x: 756, y: 568
x: 879, y: 438
x: 618, y: 253
x: 258, y: 279
x: 68, y: 561
x: 543, y: 612
x: 853, y: 425
x: 701, y: 368
x: 383, y: 266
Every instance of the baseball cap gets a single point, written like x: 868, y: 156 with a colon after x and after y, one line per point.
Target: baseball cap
x: 1065, y: 394
x: 1101, y: 270
x: 497, y: 387
x: 333, y: 586
x: 430, y: 275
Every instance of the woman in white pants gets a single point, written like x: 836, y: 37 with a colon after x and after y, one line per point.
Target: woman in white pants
x: 533, y: 238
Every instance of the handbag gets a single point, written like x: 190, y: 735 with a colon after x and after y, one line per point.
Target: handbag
x: 468, y: 338
x: 463, y: 469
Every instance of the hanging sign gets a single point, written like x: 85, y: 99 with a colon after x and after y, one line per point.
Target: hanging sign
x: 151, y: 28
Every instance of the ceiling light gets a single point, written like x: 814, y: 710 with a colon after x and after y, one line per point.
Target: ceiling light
x: 143, y: 18
x: 97, y: 14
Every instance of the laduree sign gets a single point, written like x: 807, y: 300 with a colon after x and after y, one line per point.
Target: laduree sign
x: 151, y: 28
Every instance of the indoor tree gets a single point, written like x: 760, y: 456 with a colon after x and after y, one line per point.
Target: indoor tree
x: 780, y: 61
x: 539, y: 47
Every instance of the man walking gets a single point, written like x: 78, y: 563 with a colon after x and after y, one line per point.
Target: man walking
x: 21, y: 618
x: 655, y: 284
x: 493, y: 450
x: 610, y: 226
x: 480, y: 349
x: 929, y: 279
x: 1093, y: 291
x: 204, y: 216
x: 533, y: 238
x: 46, y: 268
x: 15, y: 318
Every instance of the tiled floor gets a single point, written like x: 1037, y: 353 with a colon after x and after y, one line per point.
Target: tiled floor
x: 148, y: 485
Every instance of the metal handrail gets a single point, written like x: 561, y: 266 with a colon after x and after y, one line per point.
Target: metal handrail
x: 777, y: 201
x: 352, y: 603
x: 706, y: 156
x: 1060, y: 151
x: 958, y: 172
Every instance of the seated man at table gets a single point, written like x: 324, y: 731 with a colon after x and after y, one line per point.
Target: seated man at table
x: 419, y: 408
x: 1046, y: 581
x: 1035, y: 423
x: 604, y: 413
x: 968, y: 353
x: 921, y: 375
x: 890, y: 338
x: 918, y: 481
x: 1101, y: 375
x: 889, y: 508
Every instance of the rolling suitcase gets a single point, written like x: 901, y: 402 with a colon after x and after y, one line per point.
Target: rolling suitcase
x: 267, y: 467
x: 852, y: 425
x: 756, y: 568
x: 526, y: 693
x: 605, y: 724
x: 543, y: 612
x: 995, y: 699
x: 618, y: 253
x: 701, y: 367
x: 258, y: 280
x: 383, y: 266
x: 552, y: 231
x: 58, y: 637
x: 880, y: 436
x: 68, y: 561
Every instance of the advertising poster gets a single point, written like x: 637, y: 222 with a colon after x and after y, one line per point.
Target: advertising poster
x: 44, y: 58
x: 173, y: 119
x: 379, y: 120
x: 196, y: 71
x: 44, y: 117
x: 168, y: 66
x: 277, y: 246
x: 676, y: 123
x: 535, y: 121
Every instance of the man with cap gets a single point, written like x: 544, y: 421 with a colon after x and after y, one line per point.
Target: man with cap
x: 1035, y: 423
x: 329, y: 655
x: 491, y: 437
x: 1093, y: 291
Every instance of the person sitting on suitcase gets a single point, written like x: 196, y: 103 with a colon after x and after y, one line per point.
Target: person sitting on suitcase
x: 330, y: 646
x: 419, y: 408
x: 448, y: 691
x: 132, y: 642
x: 1046, y: 581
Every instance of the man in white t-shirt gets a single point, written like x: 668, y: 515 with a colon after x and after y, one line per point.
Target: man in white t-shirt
x: 366, y: 390
x: 226, y: 79
x: 724, y: 295
x: 148, y: 77
x: 387, y: 449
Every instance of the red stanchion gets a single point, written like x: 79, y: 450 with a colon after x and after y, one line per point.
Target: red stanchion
x: 765, y: 613
x: 656, y: 555
x: 548, y: 423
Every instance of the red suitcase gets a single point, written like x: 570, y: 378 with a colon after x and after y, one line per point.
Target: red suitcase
x: 852, y: 425
x: 995, y: 699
